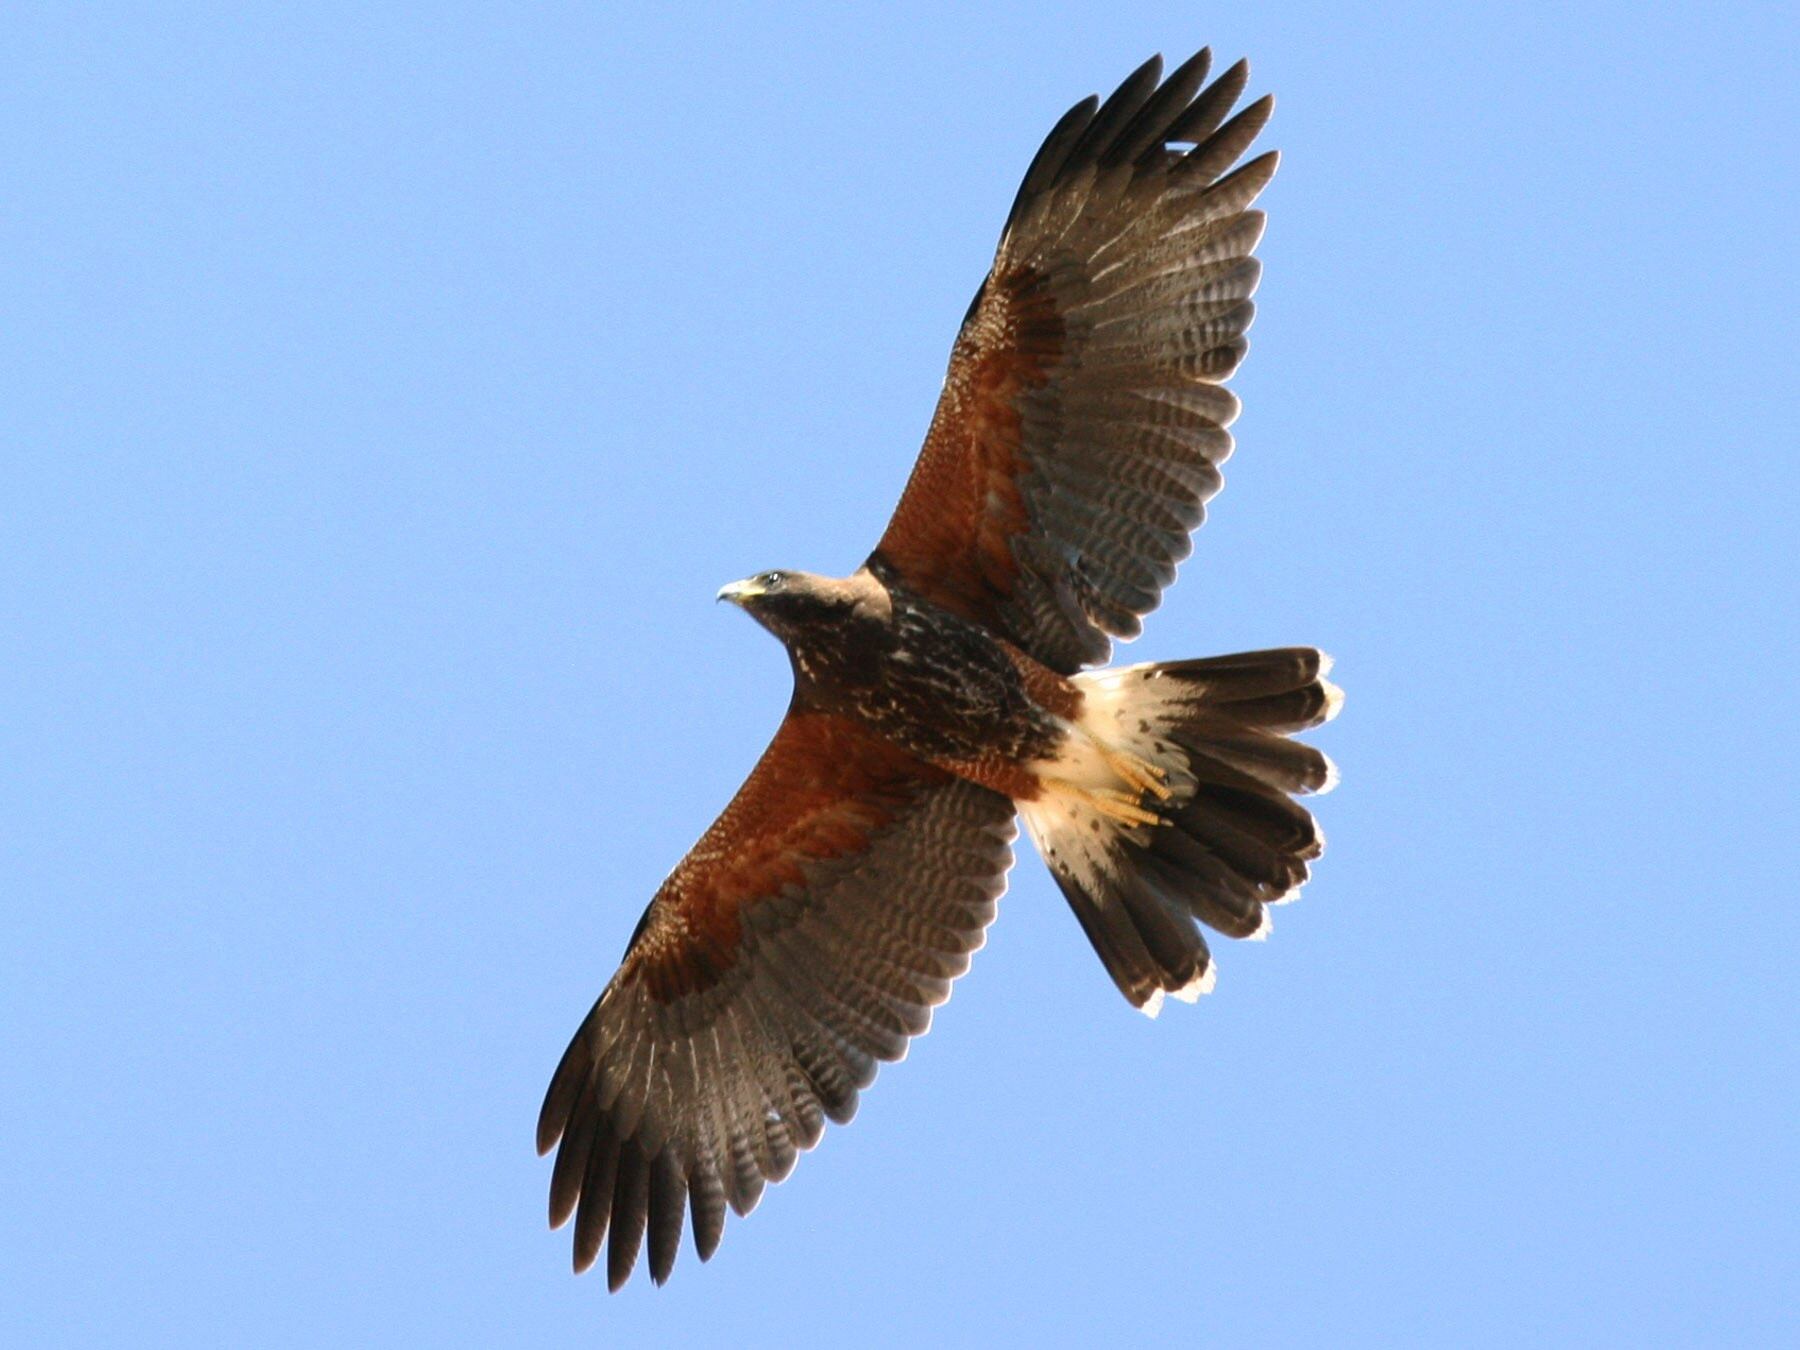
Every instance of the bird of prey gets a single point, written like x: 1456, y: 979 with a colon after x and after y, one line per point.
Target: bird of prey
x: 940, y: 691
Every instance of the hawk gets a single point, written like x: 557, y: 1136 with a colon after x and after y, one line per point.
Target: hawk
x: 940, y: 691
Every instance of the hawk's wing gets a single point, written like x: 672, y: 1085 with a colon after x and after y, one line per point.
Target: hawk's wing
x: 1082, y: 421
x: 806, y: 936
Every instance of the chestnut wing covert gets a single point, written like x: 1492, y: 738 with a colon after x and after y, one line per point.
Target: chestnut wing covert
x: 1083, y: 418
x: 803, y: 940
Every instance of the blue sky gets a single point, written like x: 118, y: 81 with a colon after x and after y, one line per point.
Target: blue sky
x: 385, y: 392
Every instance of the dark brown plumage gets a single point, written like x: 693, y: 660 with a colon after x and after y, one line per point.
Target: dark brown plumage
x: 939, y: 691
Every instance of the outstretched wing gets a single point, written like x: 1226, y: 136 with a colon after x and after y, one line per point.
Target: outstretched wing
x: 806, y: 937
x: 1082, y: 420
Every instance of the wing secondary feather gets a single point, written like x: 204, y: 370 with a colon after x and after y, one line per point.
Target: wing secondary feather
x: 802, y: 941
x: 1082, y: 421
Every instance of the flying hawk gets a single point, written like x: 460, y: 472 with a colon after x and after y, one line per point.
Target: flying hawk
x: 940, y: 690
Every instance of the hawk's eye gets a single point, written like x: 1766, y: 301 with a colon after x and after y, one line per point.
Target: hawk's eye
x: 774, y: 580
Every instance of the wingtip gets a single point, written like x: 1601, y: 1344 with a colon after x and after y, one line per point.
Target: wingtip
x: 1152, y: 67
x: 621, y: 1260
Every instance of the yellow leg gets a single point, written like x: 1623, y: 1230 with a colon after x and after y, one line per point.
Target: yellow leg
x: 1140, y: 773
x: 1121, y: 806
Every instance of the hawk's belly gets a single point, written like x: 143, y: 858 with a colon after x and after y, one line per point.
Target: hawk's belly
x: 939, y: 687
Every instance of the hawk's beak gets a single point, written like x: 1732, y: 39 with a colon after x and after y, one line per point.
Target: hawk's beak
x: 740, y: 591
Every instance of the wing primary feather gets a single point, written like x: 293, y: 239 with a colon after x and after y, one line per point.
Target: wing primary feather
x: 1245, y: 183
x: 706, y: 1203
x: 1116, y: 113
x: 595, y: 1209
x: 630, y: 1209
x: 572, y: 1159
x: 1219, y: 151
x: 668, y: 1204
x: 572, y: 1075
x: 1205, y: 113
x: 1148, y: 130
x: 1051, y: 156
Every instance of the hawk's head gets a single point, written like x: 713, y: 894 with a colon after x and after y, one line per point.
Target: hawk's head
x: 790, y: 603
x: 802, y: 608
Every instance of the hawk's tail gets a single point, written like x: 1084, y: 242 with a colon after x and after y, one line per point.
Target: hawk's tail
x: 1172, y: 801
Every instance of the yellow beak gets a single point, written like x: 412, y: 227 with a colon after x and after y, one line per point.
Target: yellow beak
x: 740, y: 591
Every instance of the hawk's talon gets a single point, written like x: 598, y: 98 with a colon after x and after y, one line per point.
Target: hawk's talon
x: 1120, y: 806
x: 1139, y: 772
